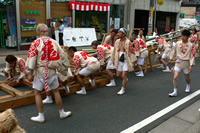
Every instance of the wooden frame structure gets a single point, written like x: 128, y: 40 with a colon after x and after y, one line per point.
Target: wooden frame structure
x: 18, y: 98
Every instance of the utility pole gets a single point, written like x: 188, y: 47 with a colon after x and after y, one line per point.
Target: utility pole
x: 150, y: 23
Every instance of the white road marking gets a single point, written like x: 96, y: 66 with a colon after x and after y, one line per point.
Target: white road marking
x: 159, y: 114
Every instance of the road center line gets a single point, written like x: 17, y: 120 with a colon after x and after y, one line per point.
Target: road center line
x: 159, y: 114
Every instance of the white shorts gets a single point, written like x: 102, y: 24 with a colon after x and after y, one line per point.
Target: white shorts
x: 178, y: 69
x: 164, y: 56
x: 85, y: 72
x: 140, y: 61
x: 122, y: 66
x: 110, y: 65
x: 39, y: 83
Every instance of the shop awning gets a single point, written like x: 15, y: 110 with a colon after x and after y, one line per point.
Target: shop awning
x: 89, y: 6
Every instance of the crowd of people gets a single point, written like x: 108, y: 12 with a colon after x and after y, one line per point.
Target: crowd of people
x: 48, y: 65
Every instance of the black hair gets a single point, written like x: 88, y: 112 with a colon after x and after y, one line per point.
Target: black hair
x: 115, y: 30
x: 61, y: 21
x: 195, y: 30
x: 10, y: 58
x: 134, y: 33
x: 96, y: 43
x: 141, y: 29
x: 72, y: 49
x: 186, y: 33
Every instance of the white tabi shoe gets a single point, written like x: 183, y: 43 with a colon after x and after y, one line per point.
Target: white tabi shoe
x: 187, y: 90
x: 137, y: 73
x: 161, y: 67
x: 140, y: 75
x: 121, y: 92
x: 111, y: 84
x: 64, y: 115
x: 39, y: 118
x: 81, y: 92
x: 48, y: 100
x: 167, y: 70
x: 199, y: 110
x: 92, y: 82
x: 66, y: 88
x: 173, y: 94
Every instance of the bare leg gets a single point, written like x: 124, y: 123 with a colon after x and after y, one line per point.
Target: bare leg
x: 110, y: 74
x: 80, y: 80
x: 58, y: 98
x: 175, y: 79
x: 124, y: 77
x: 140, y: 68
x: 187, y: 78
x: 163, y: 62
x: 38, y: 101
x: 119, y: 75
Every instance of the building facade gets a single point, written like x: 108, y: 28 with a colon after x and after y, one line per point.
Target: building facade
x: 121, y: 13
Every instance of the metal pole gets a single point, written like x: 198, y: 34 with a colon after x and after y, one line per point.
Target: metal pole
x: 108, y: 21
x: 73, y: 18
x: 18, y: 24
x: 155, y: 4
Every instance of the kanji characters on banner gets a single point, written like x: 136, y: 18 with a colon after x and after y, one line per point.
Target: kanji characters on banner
x: 89, y: 6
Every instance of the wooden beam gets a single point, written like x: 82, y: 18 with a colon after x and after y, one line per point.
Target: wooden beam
x: 26, y: 82
x: 11, y: 90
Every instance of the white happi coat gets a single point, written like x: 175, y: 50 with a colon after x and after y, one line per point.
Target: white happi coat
x: 194, y: 39
x: 185, y: 56
x: 163, y: 46
x: 18, y: 68
x: 82, y: 60
x: 140, y: 48
x: 130, y: 54
x: 109, y: 40
x: 57, y: 59
x: 104, y: 52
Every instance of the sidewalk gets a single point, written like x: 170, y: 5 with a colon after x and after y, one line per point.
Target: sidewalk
x: 186, y: 121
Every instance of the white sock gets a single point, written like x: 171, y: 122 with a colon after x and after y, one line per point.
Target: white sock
x: 175, y: 90
x: 83, y: 88
x: 61, y: 111
x: 187, y: 87
x: 41, y: 115
x: 112, y: 81
x: 167, y: 67
x: 49, y: 98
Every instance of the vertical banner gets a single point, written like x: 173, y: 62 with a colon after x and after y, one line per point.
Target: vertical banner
x: 167, y: 26
x: 150, y: 23
x: 11, y: 19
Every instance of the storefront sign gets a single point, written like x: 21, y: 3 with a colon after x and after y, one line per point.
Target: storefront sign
x: 28, y: 21
x: 79, y: 36
x: 167, y: 26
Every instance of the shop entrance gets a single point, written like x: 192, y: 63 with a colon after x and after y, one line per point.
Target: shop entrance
x: 7, y: 24
x: 92, y: 19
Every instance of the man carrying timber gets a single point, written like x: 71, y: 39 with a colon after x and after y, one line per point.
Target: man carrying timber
x: 85, y: 65
x: 15, y: 66
x: 123, y: 57
x: 104, y: 52
x: 110, y: 39
x: 45, y: 58
x: 184, y: 51
x: 141, y: 53
x: 164, y: 49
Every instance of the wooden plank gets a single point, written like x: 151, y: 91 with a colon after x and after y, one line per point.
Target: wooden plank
x: 26, y: 82
x: 11, y: 90
x: 9, y: 96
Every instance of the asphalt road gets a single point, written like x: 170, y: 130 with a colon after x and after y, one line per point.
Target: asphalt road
x: 102, y: 111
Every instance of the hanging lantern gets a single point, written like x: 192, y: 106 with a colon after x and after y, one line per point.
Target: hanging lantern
x: 160, y: 2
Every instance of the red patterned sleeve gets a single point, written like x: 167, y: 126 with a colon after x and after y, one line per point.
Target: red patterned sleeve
x: 193, y: 39
x: 100, y: 55
x: 22, y: 66
x: 192, y: 57
x: 77, y: 62
x: 137, y: 45
x: 131, y: 49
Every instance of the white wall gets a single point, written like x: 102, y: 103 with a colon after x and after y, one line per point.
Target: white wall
x: 168, y: 6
